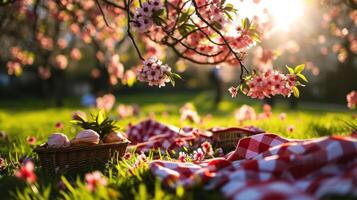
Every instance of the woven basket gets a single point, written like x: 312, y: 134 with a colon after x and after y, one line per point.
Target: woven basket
x: 70, y: 159
x: 228, y: 138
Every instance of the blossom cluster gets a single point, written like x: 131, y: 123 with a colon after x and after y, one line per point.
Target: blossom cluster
x: 351, y: 99
x: 242, y: 42
x: 199, y: 154
x: 115, y: 69
x: 211, y: 10
x: 154, y: 72
x: 244, y: 113
x: 143, y: 18
x: 105, y: 102
x: 261, y: 84
x: 18, y: 58
x: 271, y: 83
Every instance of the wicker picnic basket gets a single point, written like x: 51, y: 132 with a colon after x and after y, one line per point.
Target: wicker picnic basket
x: 70, y: 159
x: 227, y: 138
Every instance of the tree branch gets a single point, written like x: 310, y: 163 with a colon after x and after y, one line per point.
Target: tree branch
x: 127, y: 6
x: 223, y: 38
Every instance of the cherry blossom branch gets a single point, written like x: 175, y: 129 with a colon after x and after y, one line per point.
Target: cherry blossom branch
x: 207, y: 36
x: 127, y: 7
x: 191, y: 48
x: 243, y: 68
x: 102, y: 12
x: 114, y: 4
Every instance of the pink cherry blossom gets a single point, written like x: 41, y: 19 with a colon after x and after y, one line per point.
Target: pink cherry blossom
x: 207, y: 148
x: 100, y: 56
x: 95, y: 179
x: 14, y: 68
x: 267, y: 110
x: 154, y: 73
x: 31, y: 140
x: 291, y: 128
x: 125, y: 111
x: 189, y: 113
x: 26, y: 172
x: 198, y: 155
x: 352, y: 99
x: 282, y: 116
x: 233, y: 91
x: 62, y: 43
x: 59, y: 125
x: 115, y: 67
x: 244, y: 113
x: 270, y: 83
x: 61, y: 61
x: 182, y: 156
x: 105, y: 102
x: 76, y: 54
x: 143, y: 18
x: 2, y: 163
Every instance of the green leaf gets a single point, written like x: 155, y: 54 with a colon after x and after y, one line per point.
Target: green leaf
x: 183, y: 17
x: 172, y: 80
x: 100, y: 117
x: 246, y: 23
x: 296, y: 92
x: 158, y: 20
x: 217, y: 25
x: 241, y: 87
x: 185, y: 29
x: 291, y: 71
x: 256, y: 38
x: 299, y: 68
x: 228, y: 15
x: 159, y: 12
x: 67, y: 184
x: 176, y: 76
x: 302, y: 77
x: 229, y: 7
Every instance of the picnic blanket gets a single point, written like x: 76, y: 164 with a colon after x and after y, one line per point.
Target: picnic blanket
x: 152, y: 135
x: 266, y: 166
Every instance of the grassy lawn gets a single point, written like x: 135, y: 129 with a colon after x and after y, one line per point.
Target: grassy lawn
x: 34, y: 117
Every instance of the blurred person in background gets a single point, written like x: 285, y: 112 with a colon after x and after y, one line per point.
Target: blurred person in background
x: 217, y: 82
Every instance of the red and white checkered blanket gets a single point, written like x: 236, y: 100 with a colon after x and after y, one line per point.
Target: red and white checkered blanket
x: 152, y: 135
x: 266, y: 166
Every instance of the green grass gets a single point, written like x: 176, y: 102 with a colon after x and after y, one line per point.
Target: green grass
x: 35, y: 117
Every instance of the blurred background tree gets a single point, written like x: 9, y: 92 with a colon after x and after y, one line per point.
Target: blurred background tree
x: 54, y: 51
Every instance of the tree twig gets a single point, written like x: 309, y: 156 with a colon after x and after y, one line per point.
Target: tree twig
x: 102, y: 12
x: 127, y: 6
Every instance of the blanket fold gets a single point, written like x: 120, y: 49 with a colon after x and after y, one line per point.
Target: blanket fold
x: 267, y: 166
